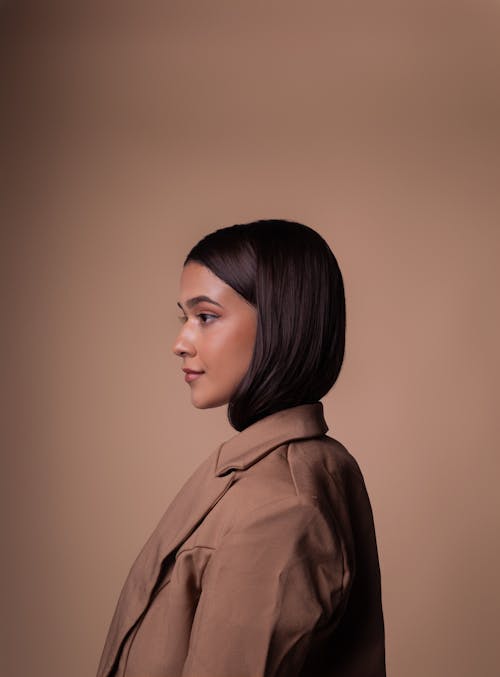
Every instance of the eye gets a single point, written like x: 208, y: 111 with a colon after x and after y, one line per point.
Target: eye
x: 204, y: 315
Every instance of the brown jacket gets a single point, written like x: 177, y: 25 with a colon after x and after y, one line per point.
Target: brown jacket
x: 264, y: 565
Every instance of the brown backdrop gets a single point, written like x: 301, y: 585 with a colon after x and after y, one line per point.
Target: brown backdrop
x: 128, y: 133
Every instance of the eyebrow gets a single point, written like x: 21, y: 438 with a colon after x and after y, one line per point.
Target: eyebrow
x: 198, y: 299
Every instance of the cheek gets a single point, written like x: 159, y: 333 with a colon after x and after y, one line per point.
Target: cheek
x: 242, y: 343
x: 230, y: 349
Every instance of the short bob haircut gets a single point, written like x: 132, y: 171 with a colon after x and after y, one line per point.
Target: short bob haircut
x: 287, y: 271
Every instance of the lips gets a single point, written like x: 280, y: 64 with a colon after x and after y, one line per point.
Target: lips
x: 192, y: 375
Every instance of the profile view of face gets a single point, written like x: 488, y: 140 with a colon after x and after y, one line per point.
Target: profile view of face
x: 217, y: 335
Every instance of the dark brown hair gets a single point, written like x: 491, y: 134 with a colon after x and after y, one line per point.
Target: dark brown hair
x: 289, y: 273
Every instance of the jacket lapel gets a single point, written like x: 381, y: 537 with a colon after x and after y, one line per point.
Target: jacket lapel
x: 197, y: 497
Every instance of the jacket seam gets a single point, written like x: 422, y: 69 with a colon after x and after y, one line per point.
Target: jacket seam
x: 290, y: 469
x: 334, y: 526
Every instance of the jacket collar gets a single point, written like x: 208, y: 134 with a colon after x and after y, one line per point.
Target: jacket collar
x: 249, y: 445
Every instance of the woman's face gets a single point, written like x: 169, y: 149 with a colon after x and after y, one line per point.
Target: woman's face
x: 217, y: 335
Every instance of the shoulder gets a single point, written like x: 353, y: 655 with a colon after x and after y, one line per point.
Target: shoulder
x: 301, y: 478
x: 305, y: 469
x: 302, y: 511
x: 304, y: 484
x: 319, y: 461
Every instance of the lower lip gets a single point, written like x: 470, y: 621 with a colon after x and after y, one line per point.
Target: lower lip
x: 192, y: 377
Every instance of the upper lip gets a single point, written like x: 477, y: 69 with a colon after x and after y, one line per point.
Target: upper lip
x: 191, y: 371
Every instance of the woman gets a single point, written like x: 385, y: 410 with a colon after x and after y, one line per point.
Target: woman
x: 265, y: 564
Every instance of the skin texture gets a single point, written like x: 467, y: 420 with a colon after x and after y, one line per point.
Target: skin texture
x: 217, y: 340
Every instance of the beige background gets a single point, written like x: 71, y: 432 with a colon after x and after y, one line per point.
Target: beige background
x: 128, y: 133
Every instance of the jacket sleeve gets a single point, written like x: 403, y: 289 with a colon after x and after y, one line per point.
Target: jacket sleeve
x: 277, y: 575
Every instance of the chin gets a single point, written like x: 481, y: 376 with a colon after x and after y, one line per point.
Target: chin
x: 207, y: 402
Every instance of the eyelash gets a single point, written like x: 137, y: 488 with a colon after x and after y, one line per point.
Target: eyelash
x: 183, y: 318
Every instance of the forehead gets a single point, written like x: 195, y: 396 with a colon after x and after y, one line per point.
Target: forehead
x: 198, y: 280
x: 196, y: 274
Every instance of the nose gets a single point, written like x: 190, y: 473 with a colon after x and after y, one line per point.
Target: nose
x: 182, y: 346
